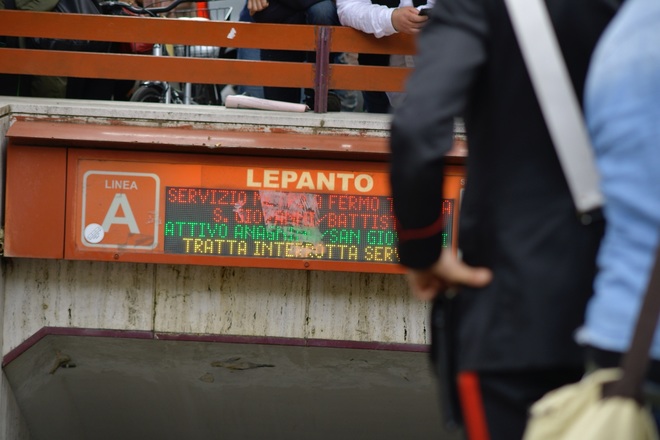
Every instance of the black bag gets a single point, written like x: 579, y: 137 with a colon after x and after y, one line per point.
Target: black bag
x: 72, y: 7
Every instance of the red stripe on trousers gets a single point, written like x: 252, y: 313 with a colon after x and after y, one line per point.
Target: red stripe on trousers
x: 472, y: 406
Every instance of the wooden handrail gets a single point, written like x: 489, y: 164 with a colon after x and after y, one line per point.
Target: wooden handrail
x: 320, y: 39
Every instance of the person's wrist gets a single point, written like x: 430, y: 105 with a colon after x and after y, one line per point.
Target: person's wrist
x: 392, y: 17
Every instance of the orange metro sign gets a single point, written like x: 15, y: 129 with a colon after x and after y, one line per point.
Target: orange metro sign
x: 120, y: 210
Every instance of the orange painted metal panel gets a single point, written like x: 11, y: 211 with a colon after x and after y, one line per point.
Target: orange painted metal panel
x: 233, y: 211
x: 140, y: 201
x: 347, y: 77
x: 172, y: 31
x: 35, y: 201
x: 133, y: 67
x: 346, y: 39
x: 67, y: 133
x: 161, y: 30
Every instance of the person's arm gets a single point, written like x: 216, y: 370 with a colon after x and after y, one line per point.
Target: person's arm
x: 366, y: 17
x: 452, y: 49
x: 255, y: 6
x: 379, y: 20
x: 408, y: 20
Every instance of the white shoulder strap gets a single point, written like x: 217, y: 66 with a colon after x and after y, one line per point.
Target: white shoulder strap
x: 557, y: 99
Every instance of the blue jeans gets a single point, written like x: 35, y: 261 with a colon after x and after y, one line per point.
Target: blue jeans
x: 323, y: 13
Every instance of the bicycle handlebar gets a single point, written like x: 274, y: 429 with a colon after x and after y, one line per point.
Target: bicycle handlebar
x: 110, y: 5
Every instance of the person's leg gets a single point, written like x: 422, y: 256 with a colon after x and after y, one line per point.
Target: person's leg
x: 9, y: 84
x: 287, y: 94
x: 48, y: 87
x: 323, y: 13
x: 278, y: 13
x: 375, y: 102
x: 351, y: 100
x: 299, y: 5
x: 122, y: 90
x: 495, y: 405
x: 89, y: 88
x: 248, y: 54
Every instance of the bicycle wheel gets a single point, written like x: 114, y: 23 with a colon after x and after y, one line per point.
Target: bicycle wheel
x: 147, y: 94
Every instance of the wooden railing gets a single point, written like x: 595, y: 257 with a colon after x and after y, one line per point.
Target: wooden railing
x: 321, y: 76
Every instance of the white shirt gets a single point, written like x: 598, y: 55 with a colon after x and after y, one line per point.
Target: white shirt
x: 368, y: 17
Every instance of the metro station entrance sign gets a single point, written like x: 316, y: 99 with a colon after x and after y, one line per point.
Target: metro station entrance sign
x: 235, y: 211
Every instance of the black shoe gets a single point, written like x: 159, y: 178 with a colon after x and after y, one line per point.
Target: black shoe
x: 334, y: 103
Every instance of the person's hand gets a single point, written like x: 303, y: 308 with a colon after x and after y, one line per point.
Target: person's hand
x: 255, y: 6
x: 407, y: 20
x: 447, y: 272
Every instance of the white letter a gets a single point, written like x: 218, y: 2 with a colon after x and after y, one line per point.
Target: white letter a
x: 111, y: 217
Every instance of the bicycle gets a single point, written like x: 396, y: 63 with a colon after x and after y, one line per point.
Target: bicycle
x: 188, y: 93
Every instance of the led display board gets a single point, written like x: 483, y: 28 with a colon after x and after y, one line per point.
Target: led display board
x: 237, y: 211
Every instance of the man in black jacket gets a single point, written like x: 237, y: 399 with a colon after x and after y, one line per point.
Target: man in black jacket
x: 527, y: 263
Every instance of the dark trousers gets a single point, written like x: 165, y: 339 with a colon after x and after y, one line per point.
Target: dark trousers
x: 609, y: 359
x: 495, y: 404
x: 316, y: 12
x: 98, y: 88
x: 10, y: 85
x: 375, y: 102
x: 490, y: 405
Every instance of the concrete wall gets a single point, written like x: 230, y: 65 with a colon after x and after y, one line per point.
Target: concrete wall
x: 209, y: 300
x: 204, y: 300
x: 12, y: 425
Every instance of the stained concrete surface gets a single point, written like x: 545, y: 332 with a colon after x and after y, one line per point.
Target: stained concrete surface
x: 97, y: 388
